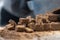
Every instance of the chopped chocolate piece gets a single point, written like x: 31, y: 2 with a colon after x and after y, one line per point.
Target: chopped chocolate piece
x: 53, y: 18
x: 29, y: 30
x: 39, y: 19
x: 38, y: 27
x: 20, y: 28
x: 30, y: 19
x: 12, y: 22
x: 10, y: 27
x: 55, y: 26
x: 31, y: 25
x: 23, y: 21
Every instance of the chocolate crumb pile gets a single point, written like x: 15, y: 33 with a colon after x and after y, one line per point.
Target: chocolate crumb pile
x: 42, y: 22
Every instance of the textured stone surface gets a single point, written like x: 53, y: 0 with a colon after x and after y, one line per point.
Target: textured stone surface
x: 45, y: 35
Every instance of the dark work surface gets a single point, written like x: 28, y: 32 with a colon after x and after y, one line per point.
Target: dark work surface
x: 5, y: 16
